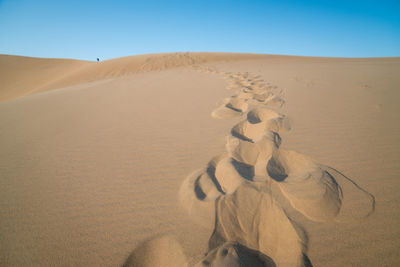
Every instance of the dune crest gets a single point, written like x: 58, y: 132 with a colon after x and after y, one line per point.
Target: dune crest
x: 21, y: 76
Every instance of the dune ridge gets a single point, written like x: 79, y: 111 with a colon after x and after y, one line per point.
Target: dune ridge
x: 21, y: 76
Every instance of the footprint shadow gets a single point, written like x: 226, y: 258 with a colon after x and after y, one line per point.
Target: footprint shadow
x: 232, y: 254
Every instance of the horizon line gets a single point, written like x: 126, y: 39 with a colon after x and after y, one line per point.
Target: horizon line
x: 215, y: 52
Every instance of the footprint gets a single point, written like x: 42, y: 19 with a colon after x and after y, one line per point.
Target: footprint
x: 232, y: 254
x: 231, y: 174
x: 259, y: 121
x: 274, y: 101
x: 235, y: 86
x: 258, y: 115
x: 233, y: 107
x: 224, y: 112
x: 237, y: 104
x: 313, y: 190
x: 251, y: 217
x: 243, y: 95
x: 357, y: 203
x: 251, y: 132
x: 198, y: 193
x: 308, y: 188
x: 261, y: 97
x: 250, y: 152
x: 255, y: 154
x: 206, y: 188
x: 276, y: 121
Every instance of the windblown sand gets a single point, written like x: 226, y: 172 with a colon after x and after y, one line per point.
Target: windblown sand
x: 200, y: 159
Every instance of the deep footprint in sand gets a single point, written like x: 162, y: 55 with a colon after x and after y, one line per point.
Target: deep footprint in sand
x: 233, y: 254
x: 254, y: 154
x: 222, y: 175
x: 252, y: 218
x: 314, y: 191
x: 165, y: 251
x: 259, y: 122
x: 199, y: 191
x: 232, y: 107
x: 274, y: 101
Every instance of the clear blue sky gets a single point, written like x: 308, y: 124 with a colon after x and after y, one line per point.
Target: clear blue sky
x: 88, y: 29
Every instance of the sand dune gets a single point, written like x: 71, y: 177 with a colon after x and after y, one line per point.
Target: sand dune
x: 199, y: 159
x: 24, y: 75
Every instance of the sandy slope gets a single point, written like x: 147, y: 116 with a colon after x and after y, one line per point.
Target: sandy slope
x: 24, y: 75
x: 91, y: 170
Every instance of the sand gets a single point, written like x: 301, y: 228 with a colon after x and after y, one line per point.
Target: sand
x: 199, y: 159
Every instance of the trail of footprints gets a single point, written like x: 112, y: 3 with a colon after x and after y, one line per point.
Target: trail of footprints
x: 251, y: 195
x: 235, y: 193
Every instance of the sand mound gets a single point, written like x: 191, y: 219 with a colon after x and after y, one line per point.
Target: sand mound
x: 163, y: 251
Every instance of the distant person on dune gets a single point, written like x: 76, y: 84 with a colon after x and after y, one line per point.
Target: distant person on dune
x: 98, y: 59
